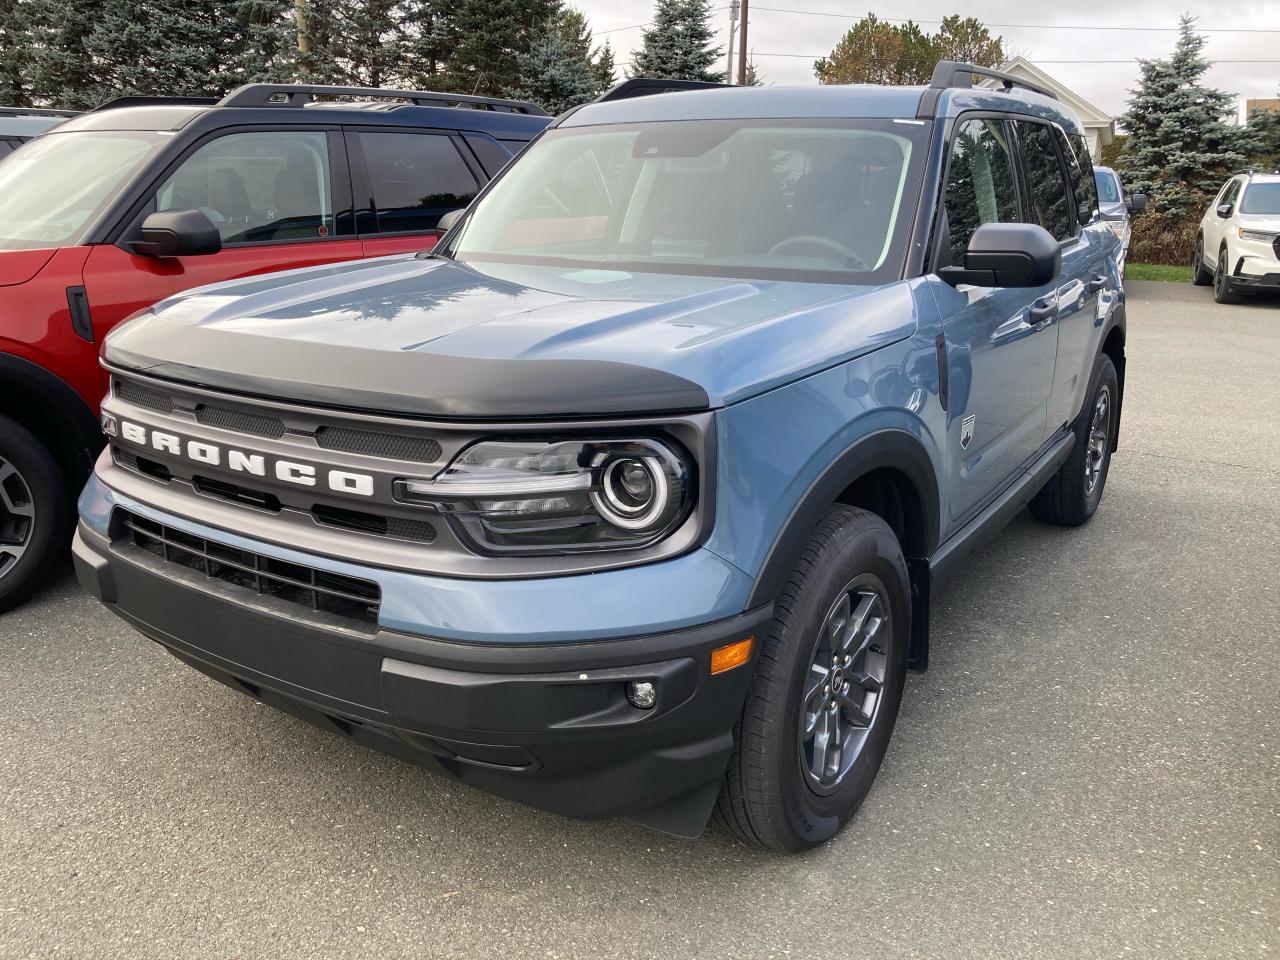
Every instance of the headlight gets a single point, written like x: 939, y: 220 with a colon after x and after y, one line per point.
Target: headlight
x: 1261, y: 236
x: 559, y: 496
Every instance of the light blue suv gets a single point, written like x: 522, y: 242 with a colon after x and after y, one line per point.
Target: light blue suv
x: 629, y: 498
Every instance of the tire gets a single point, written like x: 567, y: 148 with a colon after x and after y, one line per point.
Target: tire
x: 1222, y: 290
x: 771, y: 797
x: 35, y: 512
x: 1200, y: 276
x: 1073, y: 493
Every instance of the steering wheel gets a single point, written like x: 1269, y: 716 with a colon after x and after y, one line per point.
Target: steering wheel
x: 855, y: 261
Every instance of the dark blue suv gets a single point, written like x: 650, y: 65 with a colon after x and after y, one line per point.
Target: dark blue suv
x: 629, y: 497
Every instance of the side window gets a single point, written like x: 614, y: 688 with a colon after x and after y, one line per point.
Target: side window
x: 257, y: 187
x: 1083, y: 183
x: 5, y: 148
x: 1047, y: 194
x: 417, y: 178
x: 1232, y: 194
x: 980, y: 184
x: 493, y: 156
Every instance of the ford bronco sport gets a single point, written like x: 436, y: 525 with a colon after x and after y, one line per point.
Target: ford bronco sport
x: 148, y: 196
x: 629, y: 497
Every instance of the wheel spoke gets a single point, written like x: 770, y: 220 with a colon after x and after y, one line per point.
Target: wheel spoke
x: 826, y: 746
x: 852, y: 638
x: 815, y: 698
x: 857, y: 705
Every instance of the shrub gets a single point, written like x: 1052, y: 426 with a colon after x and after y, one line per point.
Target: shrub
x: 1162, y: 238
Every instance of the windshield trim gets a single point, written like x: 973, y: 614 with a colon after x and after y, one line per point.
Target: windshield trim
x: 898, y: 239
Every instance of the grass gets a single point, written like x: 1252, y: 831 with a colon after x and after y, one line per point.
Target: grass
x: 1156, y: 271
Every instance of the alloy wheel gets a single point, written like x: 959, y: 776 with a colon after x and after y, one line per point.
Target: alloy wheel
x: 844, y: 684
x: 17, y: 516
x: 1099, y: 437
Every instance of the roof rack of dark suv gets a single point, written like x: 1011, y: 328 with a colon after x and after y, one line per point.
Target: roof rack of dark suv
x: 645, y: 86
x: 299, y: 95
x: 949, y: 73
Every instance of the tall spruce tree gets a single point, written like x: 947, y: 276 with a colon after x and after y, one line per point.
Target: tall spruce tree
x: 554, y: 74
x: 14, y: 54
x: 1180, y: 148
x: 489, y: 36
x: 1265, y: 125
x: 677, y: 46
x: 605, y: 67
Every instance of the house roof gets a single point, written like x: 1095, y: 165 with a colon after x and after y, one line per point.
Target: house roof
x: 1090, y: 116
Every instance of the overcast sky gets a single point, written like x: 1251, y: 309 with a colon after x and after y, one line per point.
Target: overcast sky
x: 1105, y: 85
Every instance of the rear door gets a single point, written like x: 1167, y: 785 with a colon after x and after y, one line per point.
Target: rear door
x: 1000, y: 342
x: 404, y: 182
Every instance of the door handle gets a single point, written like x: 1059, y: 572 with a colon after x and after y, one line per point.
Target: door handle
x: 1042, y: 311
x: 1095, y: 284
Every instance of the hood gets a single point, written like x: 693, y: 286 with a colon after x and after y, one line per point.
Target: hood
x: 19, y: 266
x: 439, y: 338
x: 1260, y: 221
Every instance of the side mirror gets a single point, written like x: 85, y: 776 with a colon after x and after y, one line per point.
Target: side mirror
x: 177, y: 233
x: 1008, y: 255
x: 449, y: 219
x: 1137, y: 203
x: 1224, y: 210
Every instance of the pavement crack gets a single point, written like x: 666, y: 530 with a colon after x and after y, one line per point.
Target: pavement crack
x: 1216, y: 463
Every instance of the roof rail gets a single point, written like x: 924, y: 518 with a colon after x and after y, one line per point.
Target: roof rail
x: 141, y: 101
x: 645, y: 86
x: 300, y: 94
x: 36, y: 112
x: 948, y: 72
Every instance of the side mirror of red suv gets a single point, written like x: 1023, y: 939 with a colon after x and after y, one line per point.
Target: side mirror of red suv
x: 177, y: 233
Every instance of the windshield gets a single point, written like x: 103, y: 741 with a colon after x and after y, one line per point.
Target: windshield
x: 52, y: 187
x: 1108, y: 186
x: 1261, y: 198
x: 767, y: 199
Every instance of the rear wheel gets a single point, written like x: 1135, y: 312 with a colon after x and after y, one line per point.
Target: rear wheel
x: 828, y: 684
x: 34, y: 512
x: 1222, y: 287
x: 1200, y: 274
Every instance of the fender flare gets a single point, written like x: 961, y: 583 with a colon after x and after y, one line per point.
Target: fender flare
x: 80, y: 437
x: 888, y: 448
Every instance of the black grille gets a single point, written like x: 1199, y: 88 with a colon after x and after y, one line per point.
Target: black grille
x: 347, y: 597
x: 398, y: 527
x: 141, y: 396
x: 392, y: 445
x: 131, y: 461
x: 241, y: 422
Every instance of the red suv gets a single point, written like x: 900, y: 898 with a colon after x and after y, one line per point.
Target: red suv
x: 146, y: 197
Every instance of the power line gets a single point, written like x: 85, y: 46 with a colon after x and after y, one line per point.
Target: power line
x: 818, y: 56
x: 1027, y: 26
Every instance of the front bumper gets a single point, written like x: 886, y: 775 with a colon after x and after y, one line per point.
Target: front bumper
x: 548, y: 725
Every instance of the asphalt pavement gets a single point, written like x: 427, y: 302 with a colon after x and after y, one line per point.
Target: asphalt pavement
x: 1090, y: 767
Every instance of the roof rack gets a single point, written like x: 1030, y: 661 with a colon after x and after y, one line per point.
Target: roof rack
x: 36, y: 112
x: 141, y: 101
x: 948, y: 73
x: 299, y: 95
x: 645, y: 86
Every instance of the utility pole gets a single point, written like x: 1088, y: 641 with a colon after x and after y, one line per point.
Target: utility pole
x: 742, y: 47
x: 733, y: 34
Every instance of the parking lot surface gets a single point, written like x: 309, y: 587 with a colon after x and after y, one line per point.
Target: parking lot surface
x: 1090, y: 767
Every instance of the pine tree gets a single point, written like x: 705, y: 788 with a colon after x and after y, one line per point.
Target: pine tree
x: 14, y: 55
x: 58, y: 69
x: 489, y: 36
x: 554, y: 74
x: 1180, y: 149
x: 430, y: 38
x: 754, y: 77
x: 1265, y: 125
x: 677, y: 46
x: 605, y: 68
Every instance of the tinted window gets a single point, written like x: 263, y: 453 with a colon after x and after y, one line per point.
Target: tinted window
x: 1108, y: 186
x: 1083, y: 185
x: 417, y: 178
x: 1233, y: 191
x: 980, y: 184
x: 1261, y: 198
x: 5, y: 148
x: 1049, y: 203
x: 257, y: 187
x: 493, y: 155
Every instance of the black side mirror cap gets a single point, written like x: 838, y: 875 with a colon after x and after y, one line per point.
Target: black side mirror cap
x: 1008, y: 255
x: 1137, y: 203
x: 177, y: 233
x: 1224, y: 210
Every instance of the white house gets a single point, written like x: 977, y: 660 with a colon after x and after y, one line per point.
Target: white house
x: 1099, y: 128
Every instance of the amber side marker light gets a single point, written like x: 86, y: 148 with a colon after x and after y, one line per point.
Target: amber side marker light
x: 731, y: 655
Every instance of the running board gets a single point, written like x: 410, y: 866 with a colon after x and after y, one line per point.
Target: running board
x: 982, y: 528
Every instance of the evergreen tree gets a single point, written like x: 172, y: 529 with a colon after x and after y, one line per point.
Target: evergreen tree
x: 1265, y: 125
x: 677, y: 46
x: 58, y: 68
x: 429, y: 40
x: 1180, y: 149
x: 605, y: 68
x: 554, y: 74
x: 489, y: 36
x: 754, y: 77
x: 14, y: 55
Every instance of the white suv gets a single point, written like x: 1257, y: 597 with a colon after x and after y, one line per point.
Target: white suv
x: 1238, y: 244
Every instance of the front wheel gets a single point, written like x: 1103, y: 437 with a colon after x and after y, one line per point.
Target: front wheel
x: 1200, y: 274
x: 34, y: 512
x: 1073, y: 493
x: 828, y: 684
x: 1223, y: 290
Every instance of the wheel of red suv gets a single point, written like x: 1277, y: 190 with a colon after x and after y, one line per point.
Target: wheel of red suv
x: 825, y: 696
x: 1073, y: 493
x: 34, y: 512
x: 1222, y: 291
x: 1200, y: 276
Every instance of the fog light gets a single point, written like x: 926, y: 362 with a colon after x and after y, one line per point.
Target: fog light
x: 642, y: 694
x: 109, y: 425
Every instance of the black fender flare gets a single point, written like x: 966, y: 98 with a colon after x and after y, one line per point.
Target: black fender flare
x: 78, y: 437
x: 887, y: 448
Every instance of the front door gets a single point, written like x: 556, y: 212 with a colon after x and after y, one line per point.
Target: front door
x: 1001, y: 343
